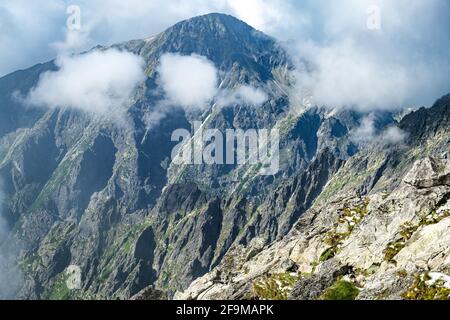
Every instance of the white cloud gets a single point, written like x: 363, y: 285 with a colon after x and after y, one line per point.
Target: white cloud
x: 393, y: 136
x: 367, y: 133
x: 245, y: 94
x: 98, y: 81
x: 154, y: 117
x: 188, y: 81
x: 251, y: 96
x: 75, y: 41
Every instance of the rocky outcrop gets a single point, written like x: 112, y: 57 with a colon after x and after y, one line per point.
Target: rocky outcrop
x: 386, y: 245
x: 311, y: 288
x: 429, y: 172
x: 148, y: 294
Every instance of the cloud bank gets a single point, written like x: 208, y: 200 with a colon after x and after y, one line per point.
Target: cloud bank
x: 250, y: 95
x: 99, y: 82
x: 191, y: 82
x: 343, y: 75
x: 368, y: 132
x: 393, y: 136
x: 188, y: 81
x: 404, y: 62
x: 31, y: 31
x: 243, y: 95
x: 380, y: 55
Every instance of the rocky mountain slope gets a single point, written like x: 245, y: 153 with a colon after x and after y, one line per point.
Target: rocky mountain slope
x: 80, y: 190
x: 381, y: 233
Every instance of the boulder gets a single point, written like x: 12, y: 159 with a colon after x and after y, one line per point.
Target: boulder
x: 429, y: 172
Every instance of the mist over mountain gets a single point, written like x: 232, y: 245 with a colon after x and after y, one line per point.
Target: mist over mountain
x: 88, y: 181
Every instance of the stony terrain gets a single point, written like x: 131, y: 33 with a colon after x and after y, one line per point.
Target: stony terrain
x: 381, y: 244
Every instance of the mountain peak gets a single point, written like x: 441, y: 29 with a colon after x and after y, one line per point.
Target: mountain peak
x: 216, y: 20
x: 215, y: 25
x: 223, y: 39
x: 213, y: 16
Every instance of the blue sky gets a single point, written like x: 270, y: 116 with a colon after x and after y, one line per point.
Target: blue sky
x: 412, y: 45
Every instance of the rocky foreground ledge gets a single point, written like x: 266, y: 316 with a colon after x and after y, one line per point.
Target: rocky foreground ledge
x: 392, y: 245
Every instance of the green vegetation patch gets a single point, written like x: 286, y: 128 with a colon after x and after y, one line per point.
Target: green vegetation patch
x: 276, y: 286
x: 328, y: 254
x: 350, y: 216
x: 408, y: 229
x: 420, y: 290
x: 340, y: 290
x: 355, y: 215
x: 59, y: 289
